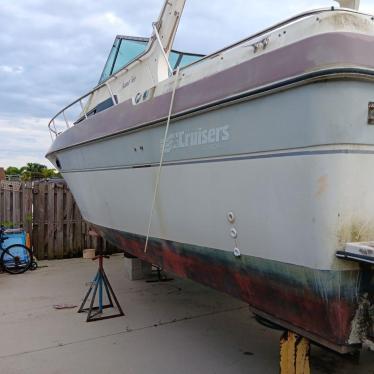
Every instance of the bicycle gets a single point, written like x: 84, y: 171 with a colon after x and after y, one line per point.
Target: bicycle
x: 16, y: 258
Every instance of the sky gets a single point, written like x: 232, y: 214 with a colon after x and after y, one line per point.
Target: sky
x: 52, y: 52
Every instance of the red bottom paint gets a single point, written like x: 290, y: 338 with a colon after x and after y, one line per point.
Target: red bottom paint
x: 325, y: 318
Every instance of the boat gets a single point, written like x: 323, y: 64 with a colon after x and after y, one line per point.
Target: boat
x: 248, y: 170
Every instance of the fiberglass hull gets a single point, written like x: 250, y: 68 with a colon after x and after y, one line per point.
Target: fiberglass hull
x: 292, y: 162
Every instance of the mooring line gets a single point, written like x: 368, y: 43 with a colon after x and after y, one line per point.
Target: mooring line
x: 161, y: 159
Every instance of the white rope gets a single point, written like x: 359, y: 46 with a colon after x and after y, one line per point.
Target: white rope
x: 161, y: 160
x: 162, y: 48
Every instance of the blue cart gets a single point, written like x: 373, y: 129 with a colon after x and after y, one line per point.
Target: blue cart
x: 14, y: 255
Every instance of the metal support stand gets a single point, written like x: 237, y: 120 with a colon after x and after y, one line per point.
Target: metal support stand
x: 98, y: 283
x: 294, y: 354
x: 160, y: 277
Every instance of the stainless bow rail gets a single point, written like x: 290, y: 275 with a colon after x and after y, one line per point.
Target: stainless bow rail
x: 52, y: 124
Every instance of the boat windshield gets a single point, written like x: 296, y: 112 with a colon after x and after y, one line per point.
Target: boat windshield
x: 126, y: 48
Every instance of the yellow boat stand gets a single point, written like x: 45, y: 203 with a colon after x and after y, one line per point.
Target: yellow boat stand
x: 294, y: 354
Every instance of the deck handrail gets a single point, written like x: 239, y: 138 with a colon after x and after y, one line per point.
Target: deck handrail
x: 62, y: 111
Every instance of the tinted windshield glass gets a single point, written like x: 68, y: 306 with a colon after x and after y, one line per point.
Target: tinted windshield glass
x: 107, y: 72
x: 174, y: 59
x: 181, y: 59
x: 126, y: 49
x: 123, y: 51
x: 189, y: 59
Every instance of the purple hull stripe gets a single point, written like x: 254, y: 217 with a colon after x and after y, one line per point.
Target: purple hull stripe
x: 330, y: 50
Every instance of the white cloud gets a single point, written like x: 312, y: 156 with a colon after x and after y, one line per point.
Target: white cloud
x: 113, y: 19
x: 11, y: 69
x: 23, y: 140
x: 108, y: 22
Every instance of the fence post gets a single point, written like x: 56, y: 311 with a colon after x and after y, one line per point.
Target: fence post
x: 16, y: 204
x: 69, y: 214
x: 40, y: 209
x: 59, y: 244
x: 27, y: 208
x: 51, y: 219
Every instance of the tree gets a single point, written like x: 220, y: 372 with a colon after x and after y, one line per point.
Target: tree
x: 34, y: 167
x: 32, y: 171
x: 50, y: 173
x: 12, y: 170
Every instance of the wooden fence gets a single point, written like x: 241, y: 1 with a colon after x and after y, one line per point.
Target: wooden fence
x: 47, y: 210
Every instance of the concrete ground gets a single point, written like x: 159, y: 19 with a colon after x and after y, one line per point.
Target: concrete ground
x: 172, y: 327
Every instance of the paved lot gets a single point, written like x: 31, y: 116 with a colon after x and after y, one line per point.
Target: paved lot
x: 174, y: 327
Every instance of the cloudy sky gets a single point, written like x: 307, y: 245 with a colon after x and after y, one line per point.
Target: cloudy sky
x: 51, y: 52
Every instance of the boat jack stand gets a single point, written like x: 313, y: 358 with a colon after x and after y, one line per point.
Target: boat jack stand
x: 99, y: 281
x: 294, y: 354
x: 160, y: 277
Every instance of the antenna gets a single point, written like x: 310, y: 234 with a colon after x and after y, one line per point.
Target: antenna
x: 351, y: 4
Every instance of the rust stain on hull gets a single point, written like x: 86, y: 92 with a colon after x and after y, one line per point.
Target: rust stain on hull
x: 322, y: 185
